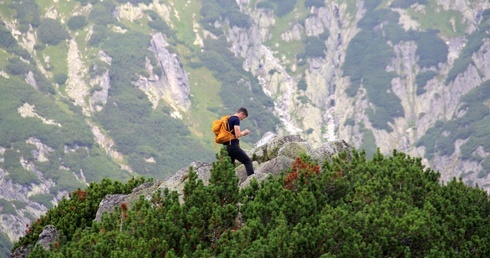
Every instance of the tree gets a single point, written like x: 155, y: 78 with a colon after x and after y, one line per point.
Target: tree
x: 77, y: 22
x: 51, y: 32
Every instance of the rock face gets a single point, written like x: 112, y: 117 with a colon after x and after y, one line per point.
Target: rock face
x: 174, y: 83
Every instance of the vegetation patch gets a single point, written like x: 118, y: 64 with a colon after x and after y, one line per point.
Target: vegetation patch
x: 44, y: 199
x: 421, y: 81
x: 7, y: 208
x: 434, y: 16
x: 368, y: 206
x: 472, y: 127
x: 475, y: 41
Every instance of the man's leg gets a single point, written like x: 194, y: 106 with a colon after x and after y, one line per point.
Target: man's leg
x: 245, y: 160
x: 231, y: 153
x: 237, y: 153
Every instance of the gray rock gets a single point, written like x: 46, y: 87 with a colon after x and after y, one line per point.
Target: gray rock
x: 294, y: 149
x: 277, y: 143
x: 108, y: 204
x: 329, y: 149
x: 177, y: 181
x: 21, y: 252
x: 48, y: 237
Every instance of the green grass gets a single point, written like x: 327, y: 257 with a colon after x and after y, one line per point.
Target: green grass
x: 183, y: 24
x: 140, y: 25
x: 3, y: 58
x: 351, y: 7
x: 205, y: 91
x: 65, y: 7
x: 57, y: 57
x: 6, y: 13
x: 437, y: 18
x: 7, y: 207
x: 281, y: 25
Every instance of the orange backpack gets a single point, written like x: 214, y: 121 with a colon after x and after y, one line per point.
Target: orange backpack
x: 221, y: 130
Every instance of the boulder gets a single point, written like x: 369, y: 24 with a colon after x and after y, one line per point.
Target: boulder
x: 48, y: 237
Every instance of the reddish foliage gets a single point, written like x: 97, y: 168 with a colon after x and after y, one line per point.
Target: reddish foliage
x: 81, y: 194
x: 124, y: 207
x: 299, y: 166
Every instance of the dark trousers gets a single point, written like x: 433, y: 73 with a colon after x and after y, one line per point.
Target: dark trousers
x: 236, y: 153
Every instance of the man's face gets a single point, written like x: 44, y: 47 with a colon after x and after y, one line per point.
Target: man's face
x: 241, y: 116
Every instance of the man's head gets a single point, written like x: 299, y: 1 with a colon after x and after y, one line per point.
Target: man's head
x: 242, y: 113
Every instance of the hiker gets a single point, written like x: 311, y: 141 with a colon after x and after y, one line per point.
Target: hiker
x: 233, y: 147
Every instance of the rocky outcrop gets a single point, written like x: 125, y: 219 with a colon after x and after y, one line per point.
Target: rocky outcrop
x: 46, y: 239
x: 76, y: 86
x: 173, y: 85
x: 272, y: 155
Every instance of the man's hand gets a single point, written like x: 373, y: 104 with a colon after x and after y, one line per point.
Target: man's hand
x: 245, y: 132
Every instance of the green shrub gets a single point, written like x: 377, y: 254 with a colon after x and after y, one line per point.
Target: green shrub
x: 483, y: 173
x: 51, y: 32
x: 283, y: 7
x: 44, y: 199
x: 265, y: 5
x: 315, y: 47
x: 7, y: 207
x: 77, y: 22
x: 86, y: 2
x: 136, y: 2
x: 77, y: 211
x: 5, y: 245
x: 431, y: 49
x: 486, y: 164
x: 27, y: 12
x: 217, y: 10
x: 16, y: 66
x: 98, y: 35
x: 366, y: 60
x: 102, y: 14
x: 60, y: 78
x: 302, y: 84
x: 421, y: 80
x: 7, y: 41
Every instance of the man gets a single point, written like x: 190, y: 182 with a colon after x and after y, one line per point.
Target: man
x: 233, y: 147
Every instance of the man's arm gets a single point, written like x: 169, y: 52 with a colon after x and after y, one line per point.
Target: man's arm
x: 239, y: 133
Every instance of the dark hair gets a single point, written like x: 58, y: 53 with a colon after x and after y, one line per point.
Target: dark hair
x: 243, y: 110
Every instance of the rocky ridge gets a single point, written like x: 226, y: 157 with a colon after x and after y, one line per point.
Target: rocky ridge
x: 273, y: 154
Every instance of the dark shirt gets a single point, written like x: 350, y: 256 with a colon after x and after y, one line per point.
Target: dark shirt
x: 232, y: 121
